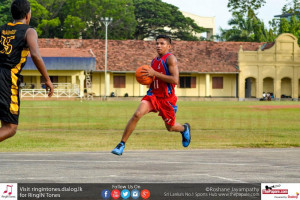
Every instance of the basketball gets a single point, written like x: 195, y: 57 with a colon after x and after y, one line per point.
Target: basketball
x: 144, y: 80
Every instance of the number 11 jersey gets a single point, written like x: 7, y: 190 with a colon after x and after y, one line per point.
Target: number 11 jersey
x: 158, y: 87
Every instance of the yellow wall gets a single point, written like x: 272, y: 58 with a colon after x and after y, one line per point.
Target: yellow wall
x: 281, y: 61
x: 299, y: 88
x: 286, y: 87
x: 133, y: 88
x: 229, y: 85
x: 97, y: 79
x: 188, y: 91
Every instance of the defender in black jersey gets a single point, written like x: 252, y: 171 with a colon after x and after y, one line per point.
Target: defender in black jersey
x: 17, y: 39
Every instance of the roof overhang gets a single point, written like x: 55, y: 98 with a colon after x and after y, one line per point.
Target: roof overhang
x: 65, y: 63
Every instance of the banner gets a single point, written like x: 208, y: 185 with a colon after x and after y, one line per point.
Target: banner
x: 165, y: 191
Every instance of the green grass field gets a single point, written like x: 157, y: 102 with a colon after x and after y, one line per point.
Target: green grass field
x: 96, y: 126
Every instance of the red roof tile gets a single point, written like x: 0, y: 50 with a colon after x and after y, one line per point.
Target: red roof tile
x: 127, y: 55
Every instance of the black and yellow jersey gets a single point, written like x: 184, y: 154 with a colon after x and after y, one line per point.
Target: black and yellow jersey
x: 13, y: 56
x: 13, y: 47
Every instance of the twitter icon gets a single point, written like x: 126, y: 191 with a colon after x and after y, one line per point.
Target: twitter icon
x: 125, y: 194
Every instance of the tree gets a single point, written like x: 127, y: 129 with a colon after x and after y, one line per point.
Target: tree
x: 156, y: 17
x: 289, y: 21
x: 46, y: 26
x: 91, y: 11
x: 245, y: 24
x: 5, y: 15
x: 247, y: 29
x: 244, y: 6
x: 73, y: 27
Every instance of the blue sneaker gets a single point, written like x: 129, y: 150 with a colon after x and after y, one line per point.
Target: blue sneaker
x: 186, y: 135
x: 119, y: 149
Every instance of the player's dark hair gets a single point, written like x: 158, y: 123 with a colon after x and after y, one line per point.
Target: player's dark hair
x: 164, y: 37
x: 19, y: 9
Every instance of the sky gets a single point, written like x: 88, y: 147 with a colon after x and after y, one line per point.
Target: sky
x: 219, y: 10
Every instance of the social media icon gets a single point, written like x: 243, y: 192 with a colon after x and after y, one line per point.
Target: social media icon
x: 105, y: 194
x: 145, y: 194
x: 135, y: 194
x: 125, y: 194
x: 115, y: 194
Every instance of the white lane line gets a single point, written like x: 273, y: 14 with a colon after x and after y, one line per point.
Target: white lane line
x: 163, y: 151
x: 129, y: 161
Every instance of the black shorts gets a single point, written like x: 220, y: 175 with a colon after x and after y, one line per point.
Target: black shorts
x: 9, y: 96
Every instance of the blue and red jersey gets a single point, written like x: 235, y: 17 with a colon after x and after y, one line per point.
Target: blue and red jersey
x: 161, y: 94
x: 158, y: 87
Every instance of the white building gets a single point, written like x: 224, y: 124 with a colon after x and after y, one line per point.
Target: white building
x: 205, y: 22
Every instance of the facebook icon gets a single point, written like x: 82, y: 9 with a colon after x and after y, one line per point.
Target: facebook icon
x: 105, y: 194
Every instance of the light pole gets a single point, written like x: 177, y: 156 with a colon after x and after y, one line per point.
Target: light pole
x: 106, y: 21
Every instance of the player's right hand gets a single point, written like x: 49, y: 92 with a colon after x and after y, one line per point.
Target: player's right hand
x: 49, y: 88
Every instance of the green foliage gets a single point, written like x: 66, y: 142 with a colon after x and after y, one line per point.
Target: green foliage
x: 247, y: 29
x: 82, y: 19
x: 5, y: 15
x: 41, y: 19
x: 292, y: 26
x: 244, y: 6
x: 47, y: 27
x: 72, y: 27
x: 290, y: 22
x: 156, y: 17
x: 245, y: 24
x: 91, y: 11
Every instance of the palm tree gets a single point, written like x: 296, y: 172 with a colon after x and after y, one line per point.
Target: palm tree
x: 246, y: 29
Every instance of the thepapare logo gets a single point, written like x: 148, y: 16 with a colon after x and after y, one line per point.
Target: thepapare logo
x: 269, y: 189
x: 8, y: 191
x: 294, y: 197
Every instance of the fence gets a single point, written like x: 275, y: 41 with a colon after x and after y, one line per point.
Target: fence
x: 60, y: 90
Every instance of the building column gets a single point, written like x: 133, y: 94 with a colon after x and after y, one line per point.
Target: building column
x: 38, y: 82
x: 241, y: 88
x: 260, y: 87
x: 81, y: 86
x: 277, y: 88
x: 73, y: 79
x: 207, y: 85
x: 258, y: 95
x: 295, y: 85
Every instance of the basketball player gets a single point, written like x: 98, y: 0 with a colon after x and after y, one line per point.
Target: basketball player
x: 161, y: 95
x: 17, y: 39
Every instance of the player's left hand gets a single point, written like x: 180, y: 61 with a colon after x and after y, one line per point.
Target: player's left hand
x: 148, y: 72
